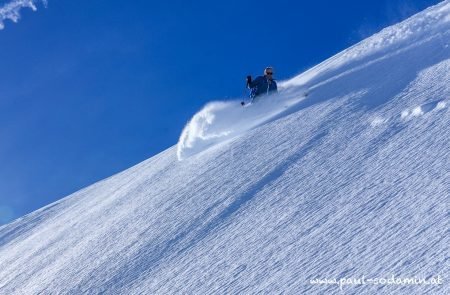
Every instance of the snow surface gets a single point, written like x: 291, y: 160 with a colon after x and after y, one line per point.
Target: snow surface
x: 222, y: 120
x: 11, y: 10
x: 351, y: 181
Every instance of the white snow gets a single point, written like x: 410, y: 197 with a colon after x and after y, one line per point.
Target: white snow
x: 222, y: 120
x: 11, y: 10
x: 349, y: 182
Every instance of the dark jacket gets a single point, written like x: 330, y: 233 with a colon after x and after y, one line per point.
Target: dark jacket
x: 262, y: 85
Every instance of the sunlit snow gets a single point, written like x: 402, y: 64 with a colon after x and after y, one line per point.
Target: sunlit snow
x: 351, y: 181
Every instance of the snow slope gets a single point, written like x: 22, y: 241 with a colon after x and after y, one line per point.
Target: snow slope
x: 222, y: 120
x: 351, y: 181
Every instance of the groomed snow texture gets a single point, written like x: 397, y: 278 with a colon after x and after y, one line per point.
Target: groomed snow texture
x: 350, y: 181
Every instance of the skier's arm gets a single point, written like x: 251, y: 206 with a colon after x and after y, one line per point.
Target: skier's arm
x: 249, y: 80
x: 254, y: 83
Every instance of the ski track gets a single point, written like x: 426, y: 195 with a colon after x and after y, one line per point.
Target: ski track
x: 351, y: 181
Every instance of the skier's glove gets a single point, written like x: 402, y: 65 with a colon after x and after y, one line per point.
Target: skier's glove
x: 249, y: 79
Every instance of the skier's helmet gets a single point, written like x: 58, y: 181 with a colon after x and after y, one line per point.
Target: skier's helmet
x: 268, y: 71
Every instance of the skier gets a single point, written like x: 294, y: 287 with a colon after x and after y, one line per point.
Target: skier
x: 261, y: 85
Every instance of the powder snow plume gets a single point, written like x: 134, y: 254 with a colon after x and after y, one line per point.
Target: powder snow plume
x: 12, y: 9
x: 221, y: 120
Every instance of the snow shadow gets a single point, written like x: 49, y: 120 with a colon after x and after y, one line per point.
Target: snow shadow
x: 378, y: 78
x: 34, y: 220
x: 153, y: 254
x: 241, y: 200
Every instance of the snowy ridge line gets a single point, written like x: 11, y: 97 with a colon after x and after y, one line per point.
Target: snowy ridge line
x: 349, y: 182
x: 379, y: 59
x: 219, y: 121
x: 431, y: 20
x: 12, y: 9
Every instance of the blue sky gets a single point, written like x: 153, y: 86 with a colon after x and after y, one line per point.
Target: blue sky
x: 90, y: 88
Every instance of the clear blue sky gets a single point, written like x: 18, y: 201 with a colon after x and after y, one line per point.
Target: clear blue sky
x: 90, y: 88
